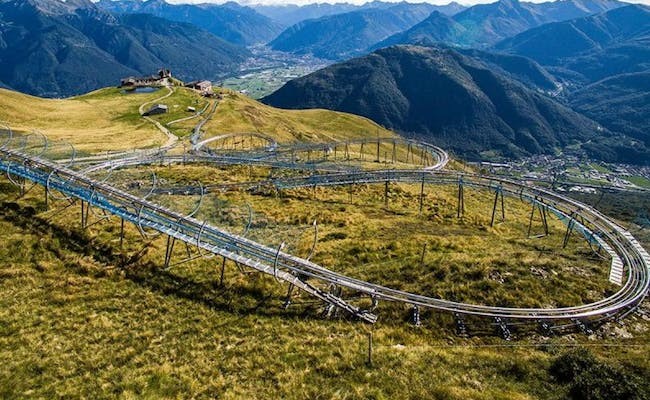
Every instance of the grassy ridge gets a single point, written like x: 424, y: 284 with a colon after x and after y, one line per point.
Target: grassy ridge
x: 104, y: 120
x: 108, y: 120
x: 237, y: 113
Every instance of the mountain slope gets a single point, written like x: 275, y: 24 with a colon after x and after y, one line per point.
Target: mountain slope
x: 519, y: 68
x: 485, y: 24
x: 621, y: 103
x: 229, y: 21
x: 52, y: 48
x: 436, y: 28
x: 340, y: 36
x: 454, y: 100
x: 291, y: 14
x: 594, y: 47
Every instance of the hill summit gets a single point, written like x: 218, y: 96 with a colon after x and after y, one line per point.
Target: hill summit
x: 452, y: 99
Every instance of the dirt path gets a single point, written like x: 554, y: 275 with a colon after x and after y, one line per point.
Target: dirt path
x: 171, y: 138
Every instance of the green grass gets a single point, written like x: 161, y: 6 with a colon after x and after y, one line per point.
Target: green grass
x: 178, y: 103
x: 640, y: 181
x: 79, y: 318
x: 600, y: 168
x: 237, y: 113
x: 104, y: 120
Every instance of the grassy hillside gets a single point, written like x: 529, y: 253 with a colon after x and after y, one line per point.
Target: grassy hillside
x: 238, y: 113
x: 96, y: 122
x: 80, y: 318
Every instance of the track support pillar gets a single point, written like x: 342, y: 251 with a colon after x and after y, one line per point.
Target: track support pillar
x: 415, y: 316
x: 461, y: 199
x: 498, y: 193
x: 171, y: 241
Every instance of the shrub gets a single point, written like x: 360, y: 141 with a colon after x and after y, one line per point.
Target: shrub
x: 592, y: 379
x: 570, y: 364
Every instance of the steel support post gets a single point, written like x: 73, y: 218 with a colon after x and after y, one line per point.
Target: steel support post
x: 498, y: 193
x: 287, y: 300
x: 543, y: 214
x: 416, y: 316
x: 569, y: 229
x: 171, y: 241
x: 422, y: 194
x: 121, y: 233
x: 461, y: 199
x: 530, y: 221
x: 223, y: 269
x: 378, y: 160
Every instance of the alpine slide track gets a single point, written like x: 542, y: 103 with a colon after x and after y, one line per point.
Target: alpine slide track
x: 23, y: 161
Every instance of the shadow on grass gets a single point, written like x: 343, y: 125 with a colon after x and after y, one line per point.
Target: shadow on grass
x: 239, y: 299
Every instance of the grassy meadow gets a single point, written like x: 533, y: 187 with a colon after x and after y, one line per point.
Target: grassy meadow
x: 100, y: 121
x: 238, y: 113
x: 83, y: 317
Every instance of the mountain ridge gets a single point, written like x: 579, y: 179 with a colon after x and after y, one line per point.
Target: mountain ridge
x: 64, y: 49
x: 229, y: 21
x: 344, y: 35
x: 595, y: 47
x: 444, y: 96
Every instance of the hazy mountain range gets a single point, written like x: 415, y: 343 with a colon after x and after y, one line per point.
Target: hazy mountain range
x: 292, y: 14
x: 591, y: 48
x: 478, y: 26
x: 344, y: 35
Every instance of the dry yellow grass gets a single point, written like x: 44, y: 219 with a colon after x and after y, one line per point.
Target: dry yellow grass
x: 237, y: 113
x: 104, y: 120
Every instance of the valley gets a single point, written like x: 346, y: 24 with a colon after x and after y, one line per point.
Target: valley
x: 267, y: 70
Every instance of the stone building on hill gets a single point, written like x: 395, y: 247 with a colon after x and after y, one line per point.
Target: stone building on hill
x: 203, y: 87
x: 162, y: 78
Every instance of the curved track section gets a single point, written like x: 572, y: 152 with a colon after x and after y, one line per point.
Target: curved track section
x: 431, y: 157
x: 315, y: 279
x: 271, y: 156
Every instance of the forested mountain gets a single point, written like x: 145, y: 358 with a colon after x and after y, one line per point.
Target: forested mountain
x: 621, y: 103
x: 454, y: 100
x: 230, y: 21
x: 54, y: 48
x: 590, y: 48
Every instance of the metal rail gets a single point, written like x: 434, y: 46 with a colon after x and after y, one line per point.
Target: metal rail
x: 314, y: 278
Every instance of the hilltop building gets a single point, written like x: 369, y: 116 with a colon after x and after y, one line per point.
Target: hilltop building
x: 157, y: 109
x: 163, y: 78
x: 203, y: 87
